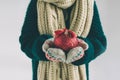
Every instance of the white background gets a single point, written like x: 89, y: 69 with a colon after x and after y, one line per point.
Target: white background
x: 14, y: 65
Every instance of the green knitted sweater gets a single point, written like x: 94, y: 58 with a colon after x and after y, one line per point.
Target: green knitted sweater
x: 31, y: 41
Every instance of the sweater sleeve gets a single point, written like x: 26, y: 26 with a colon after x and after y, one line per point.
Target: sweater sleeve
x: 30, y: 39
x: 96, y: 40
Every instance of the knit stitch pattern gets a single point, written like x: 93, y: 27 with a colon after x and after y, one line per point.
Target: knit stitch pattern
x: 79, y: 20
x: 51, y: 18
x: 31, y: 40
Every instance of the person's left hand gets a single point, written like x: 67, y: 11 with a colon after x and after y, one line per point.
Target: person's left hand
x: 75, y: 54
x: 78, y: 52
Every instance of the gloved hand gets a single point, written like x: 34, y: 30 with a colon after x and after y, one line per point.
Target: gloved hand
x: 83, y: 44
x: 51, y: 53
x: 77, y: 52
x: 58, y: 55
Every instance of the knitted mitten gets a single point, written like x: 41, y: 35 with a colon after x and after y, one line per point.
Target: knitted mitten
x: 56, y: 54
x: 51, y: 53
x: 77, y: 52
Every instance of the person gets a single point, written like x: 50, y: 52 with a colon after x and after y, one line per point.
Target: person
x: 31, y: 39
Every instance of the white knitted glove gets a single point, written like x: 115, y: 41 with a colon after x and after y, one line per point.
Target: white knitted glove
x: 58, y: 55
x: 78, y: 52
x: 53, y: 54
x: 75, y: 54
x: 82, y: 44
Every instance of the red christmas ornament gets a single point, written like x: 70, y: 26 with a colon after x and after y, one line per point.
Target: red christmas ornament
x: 65, y: 39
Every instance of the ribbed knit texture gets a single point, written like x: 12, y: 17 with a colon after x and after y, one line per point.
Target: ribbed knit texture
x: 51, y: 18
x: 31, y: 41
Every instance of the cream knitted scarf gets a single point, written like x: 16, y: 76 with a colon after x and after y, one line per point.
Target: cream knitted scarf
x: 51, y: 18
